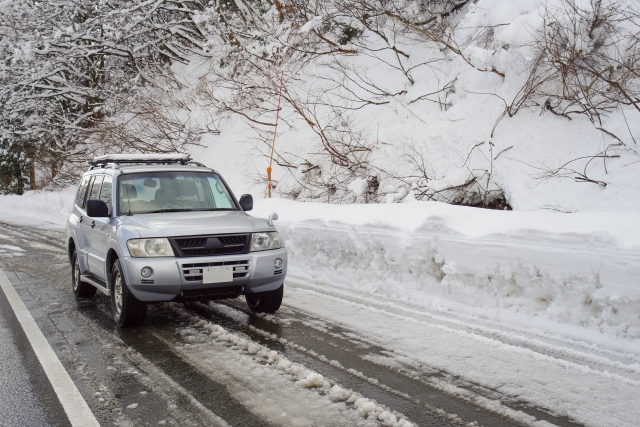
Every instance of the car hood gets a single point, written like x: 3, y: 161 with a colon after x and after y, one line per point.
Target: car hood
x: 173, y: 224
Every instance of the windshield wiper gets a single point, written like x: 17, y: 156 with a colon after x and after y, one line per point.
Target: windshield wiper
x: 171, y: 210
x: 187, y: 210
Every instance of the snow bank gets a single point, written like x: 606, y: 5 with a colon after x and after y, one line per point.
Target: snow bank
x: 581, y: 268
x: 50, y: 208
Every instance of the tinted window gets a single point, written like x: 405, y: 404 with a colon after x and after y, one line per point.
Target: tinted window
x: 105, y: 192
x: 95, y: 187
x: 173, y: 191
x: 82, y: 191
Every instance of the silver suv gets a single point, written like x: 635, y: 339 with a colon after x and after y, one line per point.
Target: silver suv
x: 157, y: 228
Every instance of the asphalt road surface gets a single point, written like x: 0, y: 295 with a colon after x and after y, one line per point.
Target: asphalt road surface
x: 210, y: 364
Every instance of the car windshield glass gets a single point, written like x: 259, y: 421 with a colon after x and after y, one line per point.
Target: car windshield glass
x: 151, y: 192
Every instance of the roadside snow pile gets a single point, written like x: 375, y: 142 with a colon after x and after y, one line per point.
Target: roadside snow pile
x: 581, y: 268
x: 38, y: 207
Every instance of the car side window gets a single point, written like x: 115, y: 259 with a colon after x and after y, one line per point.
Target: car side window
x: 82, y: 191
x: 95, y: 187
x: 105, y: 192
x: 221, y: 198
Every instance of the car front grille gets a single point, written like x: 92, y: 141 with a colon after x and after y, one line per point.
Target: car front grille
x: 228, y: 244
x: 191, y: 243
x: 193, y: 272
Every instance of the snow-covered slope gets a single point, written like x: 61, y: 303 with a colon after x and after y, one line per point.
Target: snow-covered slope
x: 454, y: 133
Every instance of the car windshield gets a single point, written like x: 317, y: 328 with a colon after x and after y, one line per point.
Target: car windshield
x: 152, y: 192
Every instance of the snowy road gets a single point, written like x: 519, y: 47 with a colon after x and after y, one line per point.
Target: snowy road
x: 327, y: 358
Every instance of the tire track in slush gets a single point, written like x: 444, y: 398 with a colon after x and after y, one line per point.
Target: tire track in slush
x: 334, y: 353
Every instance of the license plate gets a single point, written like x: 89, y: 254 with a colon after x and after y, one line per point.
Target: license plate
x: 217, y: 274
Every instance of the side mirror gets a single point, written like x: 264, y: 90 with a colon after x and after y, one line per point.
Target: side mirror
x: 246, y: 202
x: 97, y: 208
x: 272, y: 217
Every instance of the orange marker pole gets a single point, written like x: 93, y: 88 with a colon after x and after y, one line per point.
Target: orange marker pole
x: 273, y: 144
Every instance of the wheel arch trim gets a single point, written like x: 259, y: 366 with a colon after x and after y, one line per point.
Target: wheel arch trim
x: 113, y: 253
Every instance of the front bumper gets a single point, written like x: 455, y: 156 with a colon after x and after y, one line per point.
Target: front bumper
x: 172, y: 277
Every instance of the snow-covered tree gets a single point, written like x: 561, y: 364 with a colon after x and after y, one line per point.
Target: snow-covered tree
x: 582, y: 60
x: 68, y: 65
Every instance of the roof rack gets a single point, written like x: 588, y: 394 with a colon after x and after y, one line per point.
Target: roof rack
x: 163, y: 159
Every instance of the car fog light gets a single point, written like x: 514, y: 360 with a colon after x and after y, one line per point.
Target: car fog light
x: 277, y: 263
x: 146, y: 272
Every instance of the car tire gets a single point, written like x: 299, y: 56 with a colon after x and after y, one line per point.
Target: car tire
x: 127, y: 310
x: 265, y: 302
x: 80, y: 289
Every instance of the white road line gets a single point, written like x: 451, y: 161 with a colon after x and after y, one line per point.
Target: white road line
x: 72, y: 401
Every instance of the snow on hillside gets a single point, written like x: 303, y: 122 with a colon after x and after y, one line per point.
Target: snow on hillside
x: 448, y: 133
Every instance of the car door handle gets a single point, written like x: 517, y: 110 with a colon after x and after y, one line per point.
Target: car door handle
x: 81, y: 218
x: 93, y: 224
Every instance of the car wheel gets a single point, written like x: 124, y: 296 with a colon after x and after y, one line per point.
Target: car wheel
x: 265, y: 302
x: 127, y: 310
x: 80, y: 289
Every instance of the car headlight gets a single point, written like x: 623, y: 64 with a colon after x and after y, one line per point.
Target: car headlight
x: 149, y: 247
x: 265, y: 241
